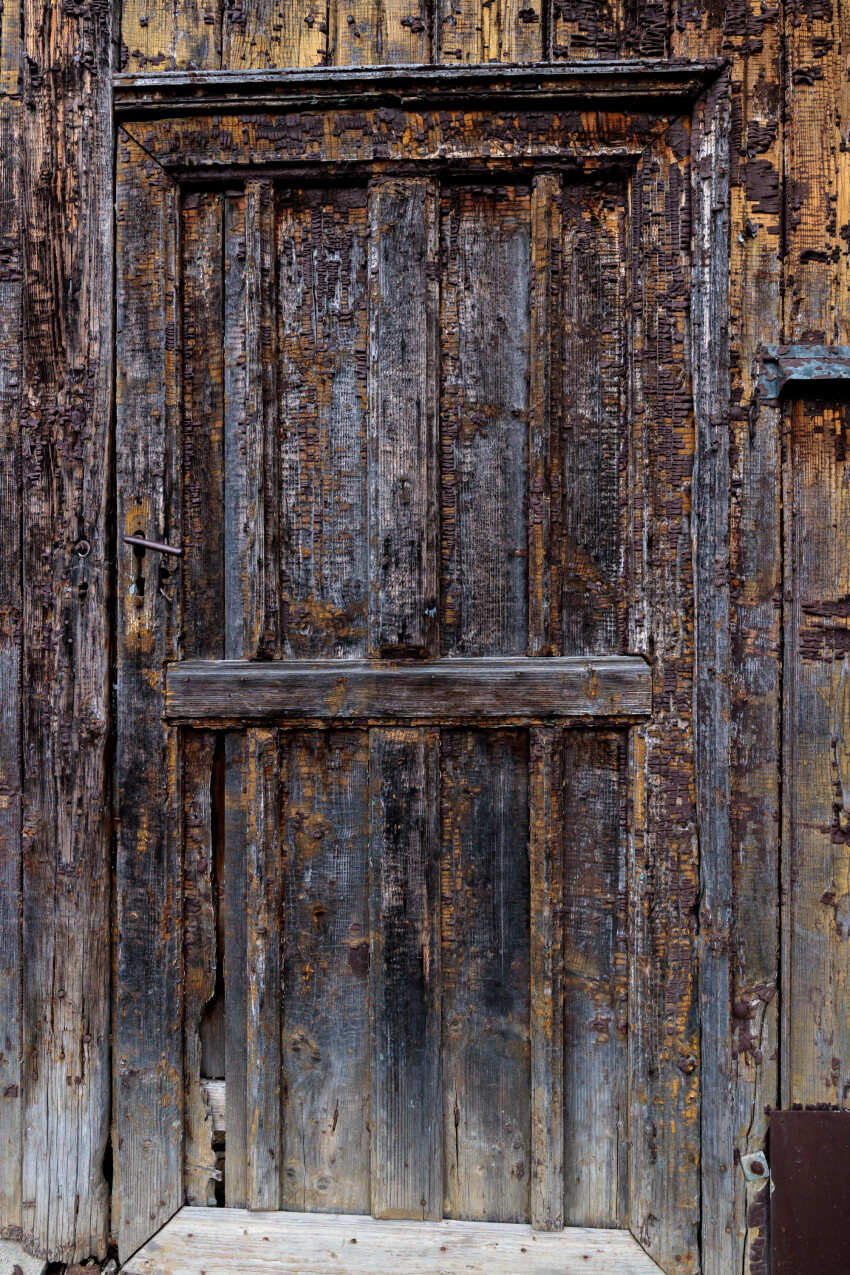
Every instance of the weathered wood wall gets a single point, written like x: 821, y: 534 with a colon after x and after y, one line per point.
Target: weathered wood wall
x: 789, y: 232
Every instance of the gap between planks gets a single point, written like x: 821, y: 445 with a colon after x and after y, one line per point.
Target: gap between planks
x: 198, y: 1239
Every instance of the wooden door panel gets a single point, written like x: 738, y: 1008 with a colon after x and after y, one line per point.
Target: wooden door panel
x: 432, y: 479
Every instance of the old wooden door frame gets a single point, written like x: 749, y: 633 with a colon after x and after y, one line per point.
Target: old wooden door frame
x: 182, y: 127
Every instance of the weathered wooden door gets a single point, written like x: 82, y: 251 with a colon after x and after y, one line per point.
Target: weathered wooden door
x: 408, y: 383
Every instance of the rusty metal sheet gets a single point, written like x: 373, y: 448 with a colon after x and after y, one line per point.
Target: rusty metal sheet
x: 799, y: 366
x: 810, y: 1205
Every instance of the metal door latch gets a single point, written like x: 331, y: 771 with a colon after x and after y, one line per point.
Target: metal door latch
x: 140, y: 543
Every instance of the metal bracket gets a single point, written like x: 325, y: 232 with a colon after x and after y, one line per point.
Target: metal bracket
x: 792, y: 365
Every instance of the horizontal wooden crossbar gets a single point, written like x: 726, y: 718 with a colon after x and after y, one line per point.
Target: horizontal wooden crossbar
x: 432, y: 690
x: 220, y: 1241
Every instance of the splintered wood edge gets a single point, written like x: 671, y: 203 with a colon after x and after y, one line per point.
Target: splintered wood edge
x: 199, y: 1239
x: 528, y: 689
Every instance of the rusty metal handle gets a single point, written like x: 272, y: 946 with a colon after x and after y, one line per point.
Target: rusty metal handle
x: 141, y: 543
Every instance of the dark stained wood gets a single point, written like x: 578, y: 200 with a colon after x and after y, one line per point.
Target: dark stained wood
x: 402, y: 443
x: 545, y: 480
x: 484, y: 408
x: 615, y: 686
x: 322, y: 321
x: 203, y: 569
x: 485, y: 932
x: 593, y: 422
x: 326, y: 1076
x: 596, y: 1011
x: 233, y: 902
x: 199, y: 959
x: 407, y: 1118
x: 546, y: 889
x: 250, y: 435
x: 11, y: 1061
x: 263, y: 924
x: 148, y: 1031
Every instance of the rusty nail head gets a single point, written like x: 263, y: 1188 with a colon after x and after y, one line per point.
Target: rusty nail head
x: 82, y: 547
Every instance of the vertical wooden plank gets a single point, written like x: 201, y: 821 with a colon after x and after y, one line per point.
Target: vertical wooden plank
x: 235, y: 969
x: 582, y: 29
x: 816, y: 758
x: 504, y: 31
x: 160, y: 35
x: 251, y: 494
x: 199, y: 959
x: 545, y: 479
x: 148, y: 1032
x: 322, y: 316
x: 270, y: 33
x: 664, y: 1098
x: 593, y: 431
x: 595, y: 980
x: 546, y: 859
x: 366, y: 34
x: 326, y: 1079
x: 11, y: 1060
x: 403, y: 345
x: 203, y: 485
x: 263, y: 972
x: 407, y: 1126
x: 484, y: 407
x: 486, y: 942
x: 744, y: 937
x: 66, y: 332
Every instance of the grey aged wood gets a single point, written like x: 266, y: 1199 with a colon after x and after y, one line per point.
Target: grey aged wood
x: 485, y: 977
x: 326, y: 1040
x: 311, y: 1244
x: 234, y: 903
x: 613, y: 686
x: 546, y: 873
x: 407, y: 1124
x: 402, y: 440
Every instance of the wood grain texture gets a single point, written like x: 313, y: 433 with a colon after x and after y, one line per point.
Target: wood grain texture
x: 595, y: 925
x: 484, y: 382
x: 609, y: 686
x: 547, y: 1040
x: 310, y: 1244
x: 263, y: 944
x: 406, y: 1119
x: 403, y: 323
x: 593, y: 443
x: 544, y: 470
x: 326, y: 1081
x: 505, y: 31
x: 234, y: 904
x: 65, y: 387
x: 484, y: 964
x: 203, y: 570
x: 382, y: 34
x: 322, y: 319
x: 271, y: 33
x: 11, y: 1059
x: 160, y: 35
x: 816, y: 718
x: 199, y: 960
x: 148, y: 1029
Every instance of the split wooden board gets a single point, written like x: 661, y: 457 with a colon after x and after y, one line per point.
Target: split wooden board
x: 207, y: 1240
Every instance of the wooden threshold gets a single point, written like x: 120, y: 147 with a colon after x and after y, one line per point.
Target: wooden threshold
x: 426, y: 690
x: 221, y: 1241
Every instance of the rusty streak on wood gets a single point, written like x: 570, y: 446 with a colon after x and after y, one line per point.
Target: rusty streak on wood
x: 573, y: 686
